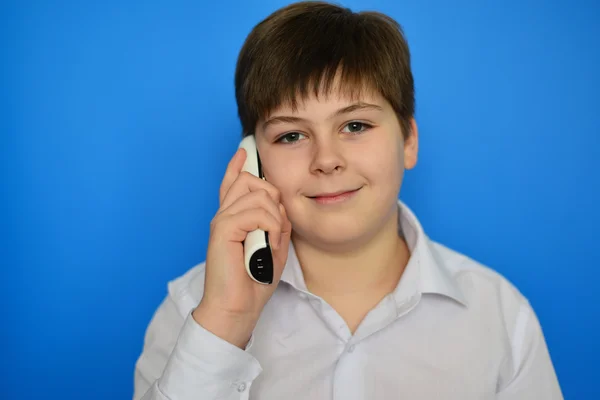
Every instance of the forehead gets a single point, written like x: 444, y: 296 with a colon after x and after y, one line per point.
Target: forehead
x: 337, y: 95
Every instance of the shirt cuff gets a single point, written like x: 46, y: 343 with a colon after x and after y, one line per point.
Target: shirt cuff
x: 203, y: 363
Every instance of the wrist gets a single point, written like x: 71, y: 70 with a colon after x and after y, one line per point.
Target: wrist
x: 233, y: 328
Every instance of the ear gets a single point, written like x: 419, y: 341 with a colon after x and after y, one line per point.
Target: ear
x: 411, y: 146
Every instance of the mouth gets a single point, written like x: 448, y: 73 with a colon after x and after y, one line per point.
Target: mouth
x: 334, y: 197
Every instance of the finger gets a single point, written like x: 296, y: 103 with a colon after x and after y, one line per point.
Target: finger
x: 237, y: 226
x: 234, y: 167
x: 253, y: 200
x: 246, y: 183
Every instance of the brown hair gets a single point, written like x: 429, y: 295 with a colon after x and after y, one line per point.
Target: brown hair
x: 306, y: 44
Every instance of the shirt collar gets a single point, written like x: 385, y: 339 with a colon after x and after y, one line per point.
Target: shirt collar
x: 431, y: 272
x: 425, y: 272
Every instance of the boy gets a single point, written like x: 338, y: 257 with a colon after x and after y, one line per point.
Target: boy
x: 363, y: 305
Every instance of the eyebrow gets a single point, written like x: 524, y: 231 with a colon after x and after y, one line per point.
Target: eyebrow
x: 346, y: 110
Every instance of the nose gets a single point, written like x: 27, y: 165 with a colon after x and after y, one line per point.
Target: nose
x: 327, y: 157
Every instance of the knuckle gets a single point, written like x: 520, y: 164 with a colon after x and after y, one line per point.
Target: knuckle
x: 265, y: 194
x: 275, y: 192
x: 276, y: 230
x: 245, y: 175
x: 268, y: 219
x: 220, y: 219
x: 265, y: 215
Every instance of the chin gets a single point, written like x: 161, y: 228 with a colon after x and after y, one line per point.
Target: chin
x: 346, y: 224
x: 335, y: 241
x: 336, y: 230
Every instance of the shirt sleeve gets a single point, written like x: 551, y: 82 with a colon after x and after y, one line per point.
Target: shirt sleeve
x: 533, y: 375
x: 182, y: 360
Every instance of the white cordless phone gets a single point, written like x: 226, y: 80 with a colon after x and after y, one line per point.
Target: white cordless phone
x: 257, y: 251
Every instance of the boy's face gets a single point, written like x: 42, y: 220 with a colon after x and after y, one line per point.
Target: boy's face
x: 328, y: 146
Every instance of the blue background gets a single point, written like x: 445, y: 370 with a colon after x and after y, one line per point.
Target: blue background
x: 118, y: 119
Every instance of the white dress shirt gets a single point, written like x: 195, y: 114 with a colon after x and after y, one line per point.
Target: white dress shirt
x: 452, y: 329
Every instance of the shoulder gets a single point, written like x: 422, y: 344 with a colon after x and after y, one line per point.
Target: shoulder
x: 476, y: 279
x: 496, y: 308
x: 489, y: 294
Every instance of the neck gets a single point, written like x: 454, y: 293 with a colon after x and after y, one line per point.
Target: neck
x: 374, y: 265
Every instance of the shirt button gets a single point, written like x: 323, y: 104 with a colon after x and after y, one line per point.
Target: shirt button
x: 351, y: 348
x: 241, y: 387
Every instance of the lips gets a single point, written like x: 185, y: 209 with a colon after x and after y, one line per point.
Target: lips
x: 332, y: 194
x: 334, y: 197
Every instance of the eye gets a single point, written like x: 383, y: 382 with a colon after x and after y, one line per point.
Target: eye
x: 291, y: 137
x: 356, y: 127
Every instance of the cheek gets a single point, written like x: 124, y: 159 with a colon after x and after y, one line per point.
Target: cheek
x: 382, y: 162
x: 283, y: 173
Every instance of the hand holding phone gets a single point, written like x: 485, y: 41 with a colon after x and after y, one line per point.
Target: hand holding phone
x: 247, y: 249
